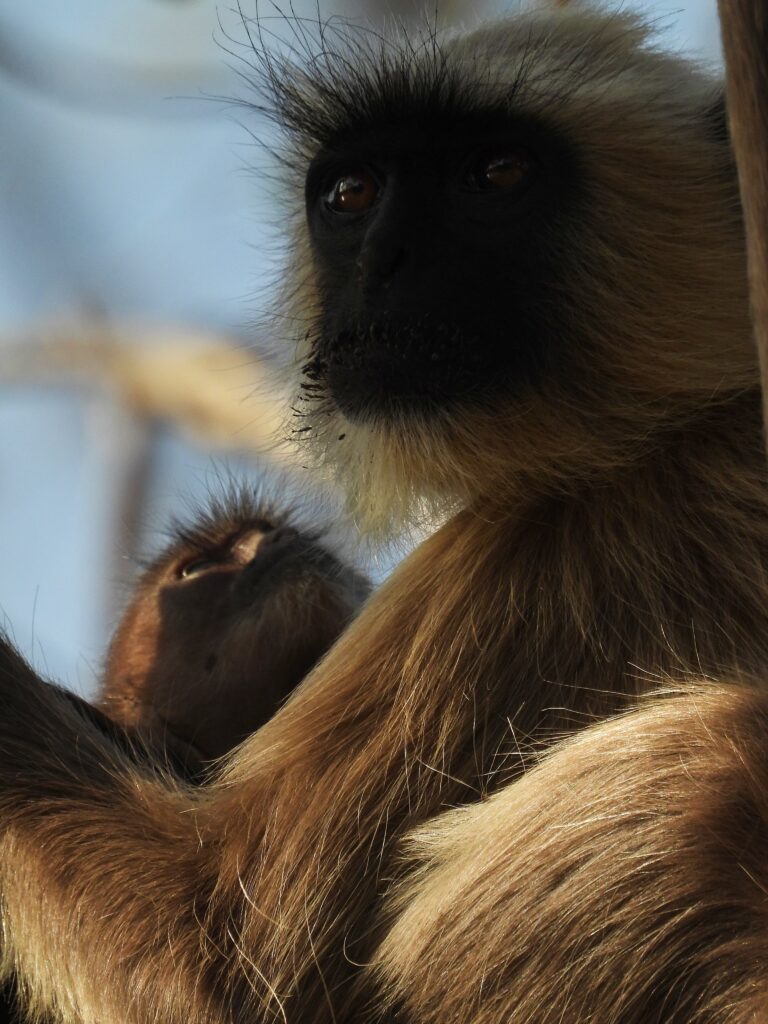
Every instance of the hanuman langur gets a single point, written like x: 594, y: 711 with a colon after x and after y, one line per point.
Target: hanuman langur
x: 519, y: 255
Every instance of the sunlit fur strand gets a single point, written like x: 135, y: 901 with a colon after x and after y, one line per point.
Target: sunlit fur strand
x: 623, y: 881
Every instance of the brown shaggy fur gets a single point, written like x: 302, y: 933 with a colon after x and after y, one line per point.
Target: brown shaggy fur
x: 623, y: 881
x: 612, y: 531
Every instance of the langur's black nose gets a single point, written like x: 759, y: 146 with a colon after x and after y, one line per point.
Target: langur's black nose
x: 279, y: 537
x: 275, y: 548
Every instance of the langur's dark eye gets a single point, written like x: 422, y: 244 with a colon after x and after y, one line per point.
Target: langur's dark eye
x: 197, y: 567
x: 353, y: 192
x: 501, y: 171
x: 237, y: 551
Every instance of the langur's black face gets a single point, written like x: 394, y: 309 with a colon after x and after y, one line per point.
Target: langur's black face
x: 520, y: 257
x: 435, y: 245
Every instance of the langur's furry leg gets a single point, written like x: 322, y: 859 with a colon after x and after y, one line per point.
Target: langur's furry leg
x: 622, y: 881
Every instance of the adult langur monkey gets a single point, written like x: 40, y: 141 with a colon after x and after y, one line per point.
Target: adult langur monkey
x: 625, y: 879
x: 521, y: 279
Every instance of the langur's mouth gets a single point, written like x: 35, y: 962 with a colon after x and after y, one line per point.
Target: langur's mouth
x: 381, y: 371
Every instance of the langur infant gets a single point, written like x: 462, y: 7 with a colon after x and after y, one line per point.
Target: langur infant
x: 222, y: 626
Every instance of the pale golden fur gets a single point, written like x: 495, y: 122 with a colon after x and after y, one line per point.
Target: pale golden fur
x: 612, y: 531
x: 622, y: 881
x: 625, y: 879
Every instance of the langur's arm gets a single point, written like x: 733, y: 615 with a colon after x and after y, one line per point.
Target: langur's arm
x: 108, y: 847
x: 159, y: 902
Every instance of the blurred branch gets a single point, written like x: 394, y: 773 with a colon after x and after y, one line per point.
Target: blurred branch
x: 219, y: 392
x: 123, y: 445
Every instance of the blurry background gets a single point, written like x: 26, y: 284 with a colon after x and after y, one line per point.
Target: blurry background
x: 137, y: 247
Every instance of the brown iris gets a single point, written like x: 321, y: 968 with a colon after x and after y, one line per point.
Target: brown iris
x: 354, y: 192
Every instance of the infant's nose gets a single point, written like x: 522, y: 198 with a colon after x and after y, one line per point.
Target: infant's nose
x: 281, y: 536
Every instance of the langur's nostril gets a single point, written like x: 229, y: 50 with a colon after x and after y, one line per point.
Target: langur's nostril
x: 273, y: 547
x: 378, y: 263
x: 389, y: 264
